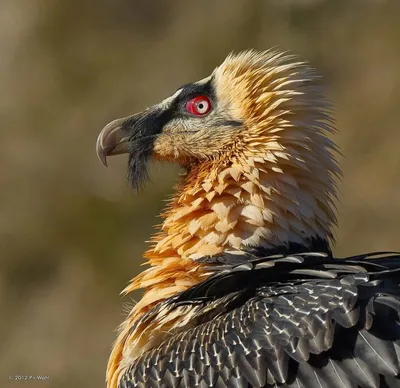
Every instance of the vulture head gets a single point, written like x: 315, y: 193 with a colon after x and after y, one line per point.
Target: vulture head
x: 253, y: 138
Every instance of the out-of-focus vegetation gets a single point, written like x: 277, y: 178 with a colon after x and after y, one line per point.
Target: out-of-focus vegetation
x: 71, y: 232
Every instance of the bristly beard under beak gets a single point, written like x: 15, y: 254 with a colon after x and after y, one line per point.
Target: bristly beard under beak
x: 134, y: 135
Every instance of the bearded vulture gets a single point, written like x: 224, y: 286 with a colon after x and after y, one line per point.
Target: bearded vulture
x: 242, y: 288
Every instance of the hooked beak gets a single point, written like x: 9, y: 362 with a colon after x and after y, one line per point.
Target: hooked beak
x: 112, y: 140
x: 134, y: 135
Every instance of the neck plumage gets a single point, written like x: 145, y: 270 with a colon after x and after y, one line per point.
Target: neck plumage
x: 262, y: 202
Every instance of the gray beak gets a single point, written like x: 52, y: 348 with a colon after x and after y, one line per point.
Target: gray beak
x: 112, y: 140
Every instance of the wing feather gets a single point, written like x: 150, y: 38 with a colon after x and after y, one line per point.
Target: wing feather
x: 298, y: 321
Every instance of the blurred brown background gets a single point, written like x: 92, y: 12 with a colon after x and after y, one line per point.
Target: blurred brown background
x: 72, y: 232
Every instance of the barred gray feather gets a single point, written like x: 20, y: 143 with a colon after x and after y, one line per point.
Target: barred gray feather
x: 304, y: 320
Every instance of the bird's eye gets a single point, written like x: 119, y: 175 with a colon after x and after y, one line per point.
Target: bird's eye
x: 198, y: 106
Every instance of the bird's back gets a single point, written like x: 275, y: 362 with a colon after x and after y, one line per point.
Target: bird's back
x: 302, y: 320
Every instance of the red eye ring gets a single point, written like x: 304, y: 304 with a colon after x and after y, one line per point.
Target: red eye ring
x: 198, y: 106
